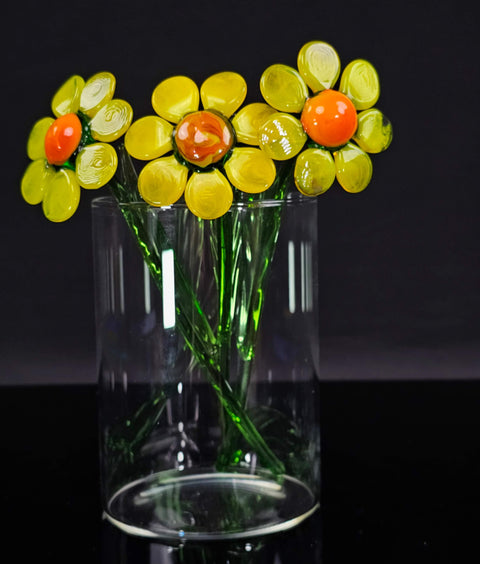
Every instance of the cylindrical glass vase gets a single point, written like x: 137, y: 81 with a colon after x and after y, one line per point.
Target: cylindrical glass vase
x: 207, y: 336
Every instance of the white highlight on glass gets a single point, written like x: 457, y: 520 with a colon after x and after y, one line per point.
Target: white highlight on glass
x: 115, y: 295
x: 121, y: 290
x: 146, y: 289
x: 306, y: 275
x: 111, y: 278
x: 168, y: 289
x: 291, y: 277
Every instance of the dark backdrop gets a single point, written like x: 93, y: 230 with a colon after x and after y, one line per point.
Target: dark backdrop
x: 399, y: 263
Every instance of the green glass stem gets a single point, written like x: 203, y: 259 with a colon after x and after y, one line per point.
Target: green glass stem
x: 247, y: 247
x: 125, y: 440
x: 225, y: 262
x: 199, y: 338
x: 262, y: 236
x: 192, y: 322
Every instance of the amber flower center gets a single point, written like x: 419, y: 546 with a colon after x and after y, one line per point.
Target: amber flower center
x: 203, y: 138
x: 329, y: 118
x: 62, y: 139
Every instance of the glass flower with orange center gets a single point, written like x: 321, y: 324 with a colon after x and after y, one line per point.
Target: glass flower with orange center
x: 193, y: 152
x: 72, y: 150
x: 334, y: 130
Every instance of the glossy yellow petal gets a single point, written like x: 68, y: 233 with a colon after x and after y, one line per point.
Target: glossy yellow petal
x: 374, y: 132
x: 283, y: 88
x: 98, y: 90
x: 148, y: 138
x: 354, y: 168
x: 250, y: 170
x: 361, y: 84
x: 314, y: 171
x: 319, y: 65
x: 35, y: 180
x: 111, y: 121
x: 162, y: 181
x: 223, y: 92
x: 282, y: 136
x: 95, y: 165
x: 36, y: 139
x: 62, y: 196
x: 67, y: 98
x: 208, y: 195
x: 175, y: 97
x: 248, y: 121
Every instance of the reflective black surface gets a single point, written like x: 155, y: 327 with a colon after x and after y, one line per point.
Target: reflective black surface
x: 401, y: 465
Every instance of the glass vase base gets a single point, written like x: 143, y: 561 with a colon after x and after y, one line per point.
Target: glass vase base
x: 209, y: 505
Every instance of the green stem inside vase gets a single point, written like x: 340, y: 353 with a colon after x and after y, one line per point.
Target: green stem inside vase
x: 247, y: 245
x: 210, y: 350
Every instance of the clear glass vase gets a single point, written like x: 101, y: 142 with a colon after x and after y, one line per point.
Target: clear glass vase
x: 207, y: 336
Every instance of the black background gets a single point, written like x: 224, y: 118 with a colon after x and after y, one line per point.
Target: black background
x: 399, y: 263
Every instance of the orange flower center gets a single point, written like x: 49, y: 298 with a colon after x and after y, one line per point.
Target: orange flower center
x: 62, y: 139
x: 203, y: 138
x: 329, y: 118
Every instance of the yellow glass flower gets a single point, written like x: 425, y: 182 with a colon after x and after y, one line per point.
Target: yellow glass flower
x: 335, y: 129
x: 72, y: 150
x: 193, y: 152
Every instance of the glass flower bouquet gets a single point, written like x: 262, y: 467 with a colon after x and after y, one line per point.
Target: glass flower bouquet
x: 206, y: 282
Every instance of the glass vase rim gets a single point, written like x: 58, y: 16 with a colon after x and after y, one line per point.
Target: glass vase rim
x: 291, y: 199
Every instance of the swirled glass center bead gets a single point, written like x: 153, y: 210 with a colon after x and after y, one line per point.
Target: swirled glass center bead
x: 203, y: 138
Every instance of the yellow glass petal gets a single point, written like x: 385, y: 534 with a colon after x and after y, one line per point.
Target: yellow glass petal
x: 35, y: 180
x: 98, y: 90
x: 148, y: 138
x: 361, y: 84
x: 250, y: 170
x: 175, y: 97
x: 283, y: 88
x: 374, y: 132
x: 112, y: 120
x: 354, y: 168
x: 62, y: 196
x: 95, y: 165
x: 208, y: 195
x: 248, y: 121
x: 319, y: 65
x: 314, y: 171
x: 224, y: 92
x: 36, y: 139
x: 282, y: 136
x: 67, y: 98
x: 162, y: 181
